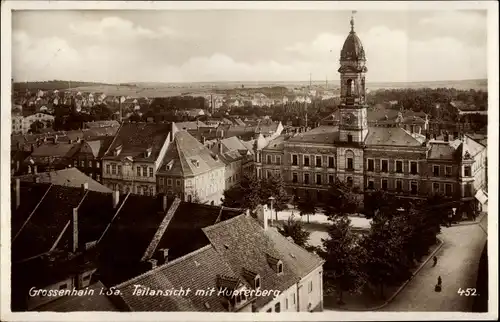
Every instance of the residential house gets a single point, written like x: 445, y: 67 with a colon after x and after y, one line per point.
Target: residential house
x: 89, y: 156
x: 132, y: 160
x: 190, y: 170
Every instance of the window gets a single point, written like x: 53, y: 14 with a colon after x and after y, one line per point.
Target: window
x: 75, y: 163
x: 82, y: 163
x: 371, y: 184
x: 277, y: 307
x: 144, y: 171
x: 98, y: 177
x: 399, y: 185
x: 371, y: 165
x: 310, y: 288
x: 399, y: 166
x: 306, y: 178
x: 138, y: 171
x: 152, y: 190
x: 177, y: 182
x: 295, y: 177
x: 119, y: 169
x: 269, y: 310
x: 318, y: 161
x: 278, y: 159
x: 113, y: 169
x: 286, y: 304
x: 160, y: 180
x: 280, y: 268
x: 295, y: 159
x: 318, y: 178
x: 384, y: 184
x: 385, y: 166
x: 467, y: 171
x: 349, y: 138
x: 413, y: 187
x: 169, y: 182
x: 331, y: 163
x: 97, y: 164
x: 269, y: 159
x: 349, y: 181
x: 435, y: 187
x: 90, y: 164
x: 350, y: 164
x: 268, y: 174
x: 413, y: 167
x: 448, y: 189
x: 435, y: 170
x: 150, y: 172
x: 293, y: 298
x: 331, y: 179
x: 257, y: 281
x: 306, y: 160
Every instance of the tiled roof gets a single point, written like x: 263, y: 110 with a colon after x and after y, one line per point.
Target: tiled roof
x: 30, y: 194
x: 276, y: 144
x: 390, y: 137
x: 442, y: 151
x: 47, y: 223
x: 58, y: 149
x: 184, y: 233
x: 70, y: 177
x: 190, y: 125
x: 196, y: 271
x: 297, y: 258
x: 94, y: 302
x: 188, y: 156
x: 323, y: 134
x: 136, y: 138
x: 242, y: 242
x: 233, y: 144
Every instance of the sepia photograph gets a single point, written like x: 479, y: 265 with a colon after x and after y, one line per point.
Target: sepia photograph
x: 236, y: 157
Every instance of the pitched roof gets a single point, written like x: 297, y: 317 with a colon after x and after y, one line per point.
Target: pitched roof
x: 188, y: 157
x: 47, y: 223
x: 243, y: 243
x: 276, y: 144
x: 70, y: 177
x: 190, y: 125
x: 30, y: 195
x: 323, y: 134
x: 184, y: 233
x: 136, y: 138
x: 390, y: 137
x: 196, y: 271
x: 442, y: 151
x: 57, y: 150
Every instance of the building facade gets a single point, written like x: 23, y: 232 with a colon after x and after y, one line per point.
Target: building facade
x: 399, y: 159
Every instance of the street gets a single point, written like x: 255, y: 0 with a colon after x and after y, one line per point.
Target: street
x: 457, y: 265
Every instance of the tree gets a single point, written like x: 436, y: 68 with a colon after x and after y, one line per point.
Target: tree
x: 295, y: 229
x: 344, y: 258
x: 246, y: 195
x: 274, y: 186
x: 384, y: 245
x: 101, y: 112
x: 375, y: 201
x: 306, y: 206
x: 342, y: 199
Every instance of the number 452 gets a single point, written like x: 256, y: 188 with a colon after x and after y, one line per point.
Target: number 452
x: 467, y: 292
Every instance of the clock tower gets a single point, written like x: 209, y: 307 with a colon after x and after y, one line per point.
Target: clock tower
x: 353, y: 126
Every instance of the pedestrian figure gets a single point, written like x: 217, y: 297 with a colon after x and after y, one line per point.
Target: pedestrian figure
x: 437, y: 288
x: 435, y: 260
x: 439, y: 281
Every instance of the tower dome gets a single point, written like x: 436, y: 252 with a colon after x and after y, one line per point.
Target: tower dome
x: 352, y: 49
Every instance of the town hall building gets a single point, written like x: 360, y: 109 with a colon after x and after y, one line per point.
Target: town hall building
x: 397, y: 160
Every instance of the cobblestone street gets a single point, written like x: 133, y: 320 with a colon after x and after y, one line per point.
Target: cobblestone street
x: 457, y: 265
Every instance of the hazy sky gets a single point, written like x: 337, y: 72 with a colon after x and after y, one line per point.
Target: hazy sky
x: 228, y: 45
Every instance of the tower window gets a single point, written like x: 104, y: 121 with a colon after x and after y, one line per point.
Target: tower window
x: 349, y: 138
x: 349, y: 84
x: 350, y: 165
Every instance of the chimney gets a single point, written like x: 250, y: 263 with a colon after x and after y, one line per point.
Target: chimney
x: 220, y: 148
x: 18, y: 192
x: 85, y: 187
x: 262, y: 215
x: 55, y: 138
x: 162, y: 256
x: 74, y: 224
x: 152, y: 263
x: 116, y: 198
x: 203, y: 140
x: 165, y: 202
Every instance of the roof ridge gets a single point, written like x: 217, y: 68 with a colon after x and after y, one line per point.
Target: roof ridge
x: 195, y: 252
x: 225, y: 222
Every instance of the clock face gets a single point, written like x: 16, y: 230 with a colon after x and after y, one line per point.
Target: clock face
x: 349, y: 119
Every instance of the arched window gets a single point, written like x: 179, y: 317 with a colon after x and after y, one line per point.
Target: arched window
x: 349, y: 84
x: 349, y: 160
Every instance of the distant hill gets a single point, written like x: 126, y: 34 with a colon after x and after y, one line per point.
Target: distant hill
x: 157, y: 89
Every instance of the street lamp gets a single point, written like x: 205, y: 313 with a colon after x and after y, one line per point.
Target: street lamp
x: 271, y: 199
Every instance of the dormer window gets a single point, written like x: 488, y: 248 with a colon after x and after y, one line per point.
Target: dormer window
x: 147, y: 154
x: 169, y: 165
x: 280, y: 267
x: 196, y: 163
x: 257, y: 282
x: 118, y: 150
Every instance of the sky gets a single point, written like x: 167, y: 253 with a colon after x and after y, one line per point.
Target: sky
x: 244, y: 45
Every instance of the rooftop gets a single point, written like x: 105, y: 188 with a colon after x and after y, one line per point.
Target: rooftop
x: 390, y: 137
x: 323, y: 134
